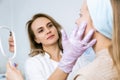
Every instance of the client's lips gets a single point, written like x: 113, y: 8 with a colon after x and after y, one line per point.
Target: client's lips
x: 11, y: 45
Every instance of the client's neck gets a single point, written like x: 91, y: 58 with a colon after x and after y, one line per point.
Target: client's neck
x: 102, y: 42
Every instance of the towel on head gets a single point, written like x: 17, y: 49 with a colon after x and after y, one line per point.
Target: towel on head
x: 102, y: 16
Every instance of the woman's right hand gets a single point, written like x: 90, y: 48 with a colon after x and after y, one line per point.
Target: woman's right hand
x: 13, y: 73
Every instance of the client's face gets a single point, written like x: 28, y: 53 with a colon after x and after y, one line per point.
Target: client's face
x: 84, y: 16
x: 11, y: 44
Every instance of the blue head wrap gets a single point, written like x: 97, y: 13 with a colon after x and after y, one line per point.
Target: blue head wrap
x: 102, y: 16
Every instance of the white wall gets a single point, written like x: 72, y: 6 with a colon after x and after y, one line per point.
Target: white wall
x: 5, y: 19
x: 16, y: 13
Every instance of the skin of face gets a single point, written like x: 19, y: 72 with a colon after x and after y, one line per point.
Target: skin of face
x: 45, y: 32
x: 102, y: 41
x: 11, y: 44
x: 84, y: 16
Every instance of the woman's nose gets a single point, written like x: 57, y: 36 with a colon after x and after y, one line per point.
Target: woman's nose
x: 77, y: 22
x: 48, y: 31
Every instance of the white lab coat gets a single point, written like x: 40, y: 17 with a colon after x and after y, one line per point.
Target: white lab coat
x: 41, y: 67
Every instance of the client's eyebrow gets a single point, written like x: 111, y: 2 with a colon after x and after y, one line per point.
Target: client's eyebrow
x: 10, y: 33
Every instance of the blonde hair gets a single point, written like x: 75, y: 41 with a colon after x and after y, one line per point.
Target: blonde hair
x: 35, y: 47
x: 116, y: 35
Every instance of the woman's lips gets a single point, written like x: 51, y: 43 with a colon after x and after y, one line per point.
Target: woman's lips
x: 50, y: 37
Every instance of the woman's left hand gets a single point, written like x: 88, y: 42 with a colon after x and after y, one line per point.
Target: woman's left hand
x: 13, y: 73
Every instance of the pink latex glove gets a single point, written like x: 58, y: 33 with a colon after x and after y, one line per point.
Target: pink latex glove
x: 75, y: 46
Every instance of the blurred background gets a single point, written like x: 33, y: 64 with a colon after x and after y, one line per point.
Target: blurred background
x: 15, y: 14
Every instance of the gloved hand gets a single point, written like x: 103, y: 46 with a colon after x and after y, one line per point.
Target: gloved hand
x: 74, y: 46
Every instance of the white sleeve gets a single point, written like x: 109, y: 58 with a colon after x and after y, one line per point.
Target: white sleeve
x: 33, y: 71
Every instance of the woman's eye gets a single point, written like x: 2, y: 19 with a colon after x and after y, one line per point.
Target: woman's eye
x: 80, y: 15
x: 40, y: 31
x: 50, y: 25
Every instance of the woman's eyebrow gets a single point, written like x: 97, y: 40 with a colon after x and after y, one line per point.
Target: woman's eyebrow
x: 48, y: 23
x: 39, y: 28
